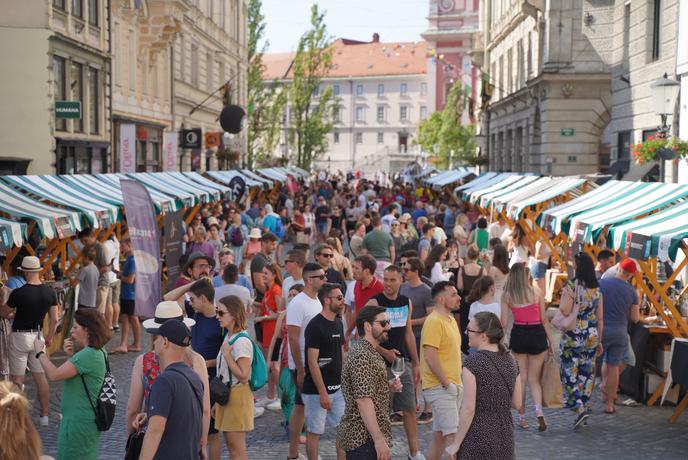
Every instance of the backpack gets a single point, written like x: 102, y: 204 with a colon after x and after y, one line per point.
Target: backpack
x: 105, y: 406
x: 236, y: 237
x: 259, y: 368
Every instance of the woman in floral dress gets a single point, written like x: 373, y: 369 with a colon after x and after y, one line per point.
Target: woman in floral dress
x: 582, y: 345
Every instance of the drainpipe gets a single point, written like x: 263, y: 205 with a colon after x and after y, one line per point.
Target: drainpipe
x: 110, y: 87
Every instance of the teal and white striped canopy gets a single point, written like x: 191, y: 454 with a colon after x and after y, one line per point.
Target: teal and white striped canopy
x: 496, y: 184
x: 12, y: 233
x: 226, y: 176
x: 486, y: 199
x: 481, y: 179
x: 517, y: 204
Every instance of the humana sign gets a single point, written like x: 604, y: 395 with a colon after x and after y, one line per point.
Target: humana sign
x: 68, y: 109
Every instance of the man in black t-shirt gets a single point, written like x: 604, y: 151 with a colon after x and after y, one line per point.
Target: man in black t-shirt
x: 322, y: 396
x: 401, y: 344
x: 322, y: 216
x: 29, y: 304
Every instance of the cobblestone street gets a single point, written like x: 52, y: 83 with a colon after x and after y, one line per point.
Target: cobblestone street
x: 632, y: 433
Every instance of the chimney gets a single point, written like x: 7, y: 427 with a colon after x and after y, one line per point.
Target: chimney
x: 376, y: 38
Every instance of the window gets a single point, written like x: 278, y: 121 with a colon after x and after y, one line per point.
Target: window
x: 380, y: 90
x: 59, y: 4
x: 336, y: 115
x: 423, y: 89
x: 359, y: 138
x: 77, y: 84
x: 423, y: 112
x: 316, y: 91
x: 626, y: 37
x: 380, y: 138
x: 336, y: 138
x: 359, y: 90
x: 404, y: 89
x: 78, y: 8
x: 93, y: 99
x: 209, y: 72
x: 194, y: 65
x: 656, y: 30
x: 132, y: 59
x: 360, y: 113
x: 59, y: 78
x: 509, y: 71
x: 403, y: 113
x: 380, y: 113
x: 76, y: 158
x: 93, y: 12
x: 335, y: 90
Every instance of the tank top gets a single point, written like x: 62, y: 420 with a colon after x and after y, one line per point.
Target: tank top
x: 468, y: 281
x: 527, y: 315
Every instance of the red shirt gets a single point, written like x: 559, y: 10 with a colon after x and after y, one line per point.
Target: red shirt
x: 363, y: 294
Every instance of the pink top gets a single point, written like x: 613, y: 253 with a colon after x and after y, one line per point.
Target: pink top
x: 527, y: 314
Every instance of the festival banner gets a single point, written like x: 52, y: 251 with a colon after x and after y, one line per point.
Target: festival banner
x: 171, y: 146
x: 143, y: 231
x: 127, y: 148
x: 174, y: 233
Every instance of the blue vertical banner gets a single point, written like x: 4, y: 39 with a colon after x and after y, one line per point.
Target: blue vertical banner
x: 145, y: 238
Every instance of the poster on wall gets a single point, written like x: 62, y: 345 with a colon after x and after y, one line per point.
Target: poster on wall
x: 171, y: 146
x: 638, y: 246
x: 127, y: 148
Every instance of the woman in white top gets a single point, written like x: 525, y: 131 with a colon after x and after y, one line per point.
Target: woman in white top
x: 499, y: 269
x: 482, y: 297
x: 235, y: 418
x: 518, y: 246
x: 434, y: 264
x: 540, y: 262
x: 461, y: 234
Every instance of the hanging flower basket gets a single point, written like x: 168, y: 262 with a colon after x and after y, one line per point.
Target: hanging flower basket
x: 660, y: 148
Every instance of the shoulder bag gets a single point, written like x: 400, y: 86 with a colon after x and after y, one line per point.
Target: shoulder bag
x: 566, y: 323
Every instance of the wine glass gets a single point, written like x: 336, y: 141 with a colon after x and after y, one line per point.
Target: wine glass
x: 398, y: 367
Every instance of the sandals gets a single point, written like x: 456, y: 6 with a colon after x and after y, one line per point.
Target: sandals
x: 542, y: 425
x: 522, y: 422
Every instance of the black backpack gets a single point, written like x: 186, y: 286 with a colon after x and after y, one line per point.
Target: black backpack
x: 236, y: 237
x: 105, y: 406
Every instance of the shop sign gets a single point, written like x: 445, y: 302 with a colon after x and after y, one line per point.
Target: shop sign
x: 568, y: 132
x: 213, y: 139
x: 237, y: 188
x: 68, y: 109
x: 171, y: 145
x: 191, y: 138
x: 127, y: 148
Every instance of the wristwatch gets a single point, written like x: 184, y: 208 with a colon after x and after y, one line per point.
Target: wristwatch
x: 42, y: 352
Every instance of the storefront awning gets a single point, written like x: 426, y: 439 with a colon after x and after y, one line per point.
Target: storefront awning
x: 536, y: 186
x: 481, y: 179
x: 204, y: 182
x: 52, y: 189
x: 496, y: 183
x: 226, y: 176
x: 486, y: 199
x: 165, y: 200
x: 272, y: 173
x: 516, y: 205
x: 52, y: 222
x: 646, y: 197
x: 448, y: 177
x: 267, y: 183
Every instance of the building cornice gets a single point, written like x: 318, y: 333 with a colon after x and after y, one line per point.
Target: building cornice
x: 355, y: 78
x: 58, y: 36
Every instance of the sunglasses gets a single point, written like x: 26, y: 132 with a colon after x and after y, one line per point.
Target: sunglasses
x: 220, y: 313
x: 322, y: 277
x: 338, y: 297
x: 382, y: 322
x: 326, y: 255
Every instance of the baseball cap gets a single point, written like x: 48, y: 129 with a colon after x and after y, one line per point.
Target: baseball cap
x: 629, y: 266
x: 176, y: 332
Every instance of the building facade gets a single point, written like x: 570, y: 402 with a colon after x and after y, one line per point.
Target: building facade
x: 451, y: 27
x: 682, y: 73
x: 55, y: 87
x: 383, y: 93
x: 549, y: 97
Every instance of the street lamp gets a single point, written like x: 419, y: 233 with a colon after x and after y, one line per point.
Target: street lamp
x: 664, y: 94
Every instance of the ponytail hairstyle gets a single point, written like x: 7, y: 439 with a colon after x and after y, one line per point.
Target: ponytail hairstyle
x: 491, y: 326
x: 480, y: 287
x: 18, y: 435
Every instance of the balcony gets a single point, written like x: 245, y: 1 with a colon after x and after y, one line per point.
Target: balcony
x: 163, y: 22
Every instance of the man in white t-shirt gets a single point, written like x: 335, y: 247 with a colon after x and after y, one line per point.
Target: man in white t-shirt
x: 300, y: 311
x: 294, y: 262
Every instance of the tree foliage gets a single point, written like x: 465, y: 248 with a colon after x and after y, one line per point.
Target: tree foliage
x: 444, y: 136
x: 311, y: 111
x: 265, y: 102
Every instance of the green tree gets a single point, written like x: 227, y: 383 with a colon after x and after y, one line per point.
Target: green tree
x: 265, y: 100
x: 444, y: 136
x: 312, y: 111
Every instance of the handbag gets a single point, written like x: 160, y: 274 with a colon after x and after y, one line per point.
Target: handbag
x: 134, y: 445
x: 564, y: 322
x: 219, y: 390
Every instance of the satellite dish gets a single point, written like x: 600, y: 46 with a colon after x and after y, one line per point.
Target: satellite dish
x: 232, y: 119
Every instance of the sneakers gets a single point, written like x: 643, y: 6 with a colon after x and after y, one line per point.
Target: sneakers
x: 396, y: 419
x: 258, y: 411
x: 274, y: 405
x: 300, y: 457
x: 419, y: 456
x: 43, y: 421
x: 425, y: 418
x: 582, y: 417
x: 263, y: 402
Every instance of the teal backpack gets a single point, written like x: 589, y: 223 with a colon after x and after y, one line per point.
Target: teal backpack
x: 259, y: 368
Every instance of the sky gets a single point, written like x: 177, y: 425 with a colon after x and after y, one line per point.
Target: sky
x: 394, y: 20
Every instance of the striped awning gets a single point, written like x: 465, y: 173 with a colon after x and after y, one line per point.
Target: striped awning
x: 515, y: 188
x: 484, y: 177
x: 274, y: 174
x: 52, y: 222
x: 12, y: 233
x: 517, y: 204
x: 226, y: 176
x: 165, y: 200
x: 498, y: 183
x: 448, y: 177
x: 267, y: 183
x: 51, y: 188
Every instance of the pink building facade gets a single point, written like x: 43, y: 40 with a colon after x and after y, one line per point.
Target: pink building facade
x: 451, y: 25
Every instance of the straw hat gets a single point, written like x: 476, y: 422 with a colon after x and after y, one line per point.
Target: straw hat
x: 255, y: 233
x: 405, y: 218
x: 30, y: 264
x: 164, y: 311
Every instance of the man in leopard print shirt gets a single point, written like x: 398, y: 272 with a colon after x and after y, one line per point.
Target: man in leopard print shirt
x: 365, y: 431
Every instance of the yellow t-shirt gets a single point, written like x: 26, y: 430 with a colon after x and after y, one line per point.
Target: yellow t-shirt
x: 442, y: 333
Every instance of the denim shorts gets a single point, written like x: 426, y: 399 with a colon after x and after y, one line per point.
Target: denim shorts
x: 538, y: 270
x: 317, y: 417
x: 615, y: 345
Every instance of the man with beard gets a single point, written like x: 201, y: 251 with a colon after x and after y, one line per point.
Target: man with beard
x: 321, y: 394
x: 365, y: 431
x: 197, y: 267
x: 440, y: 366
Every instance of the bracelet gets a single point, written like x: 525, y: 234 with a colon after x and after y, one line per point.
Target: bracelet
x: 42, y: 352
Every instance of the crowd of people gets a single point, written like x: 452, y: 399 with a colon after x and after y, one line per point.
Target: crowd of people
x: 363, y: 305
